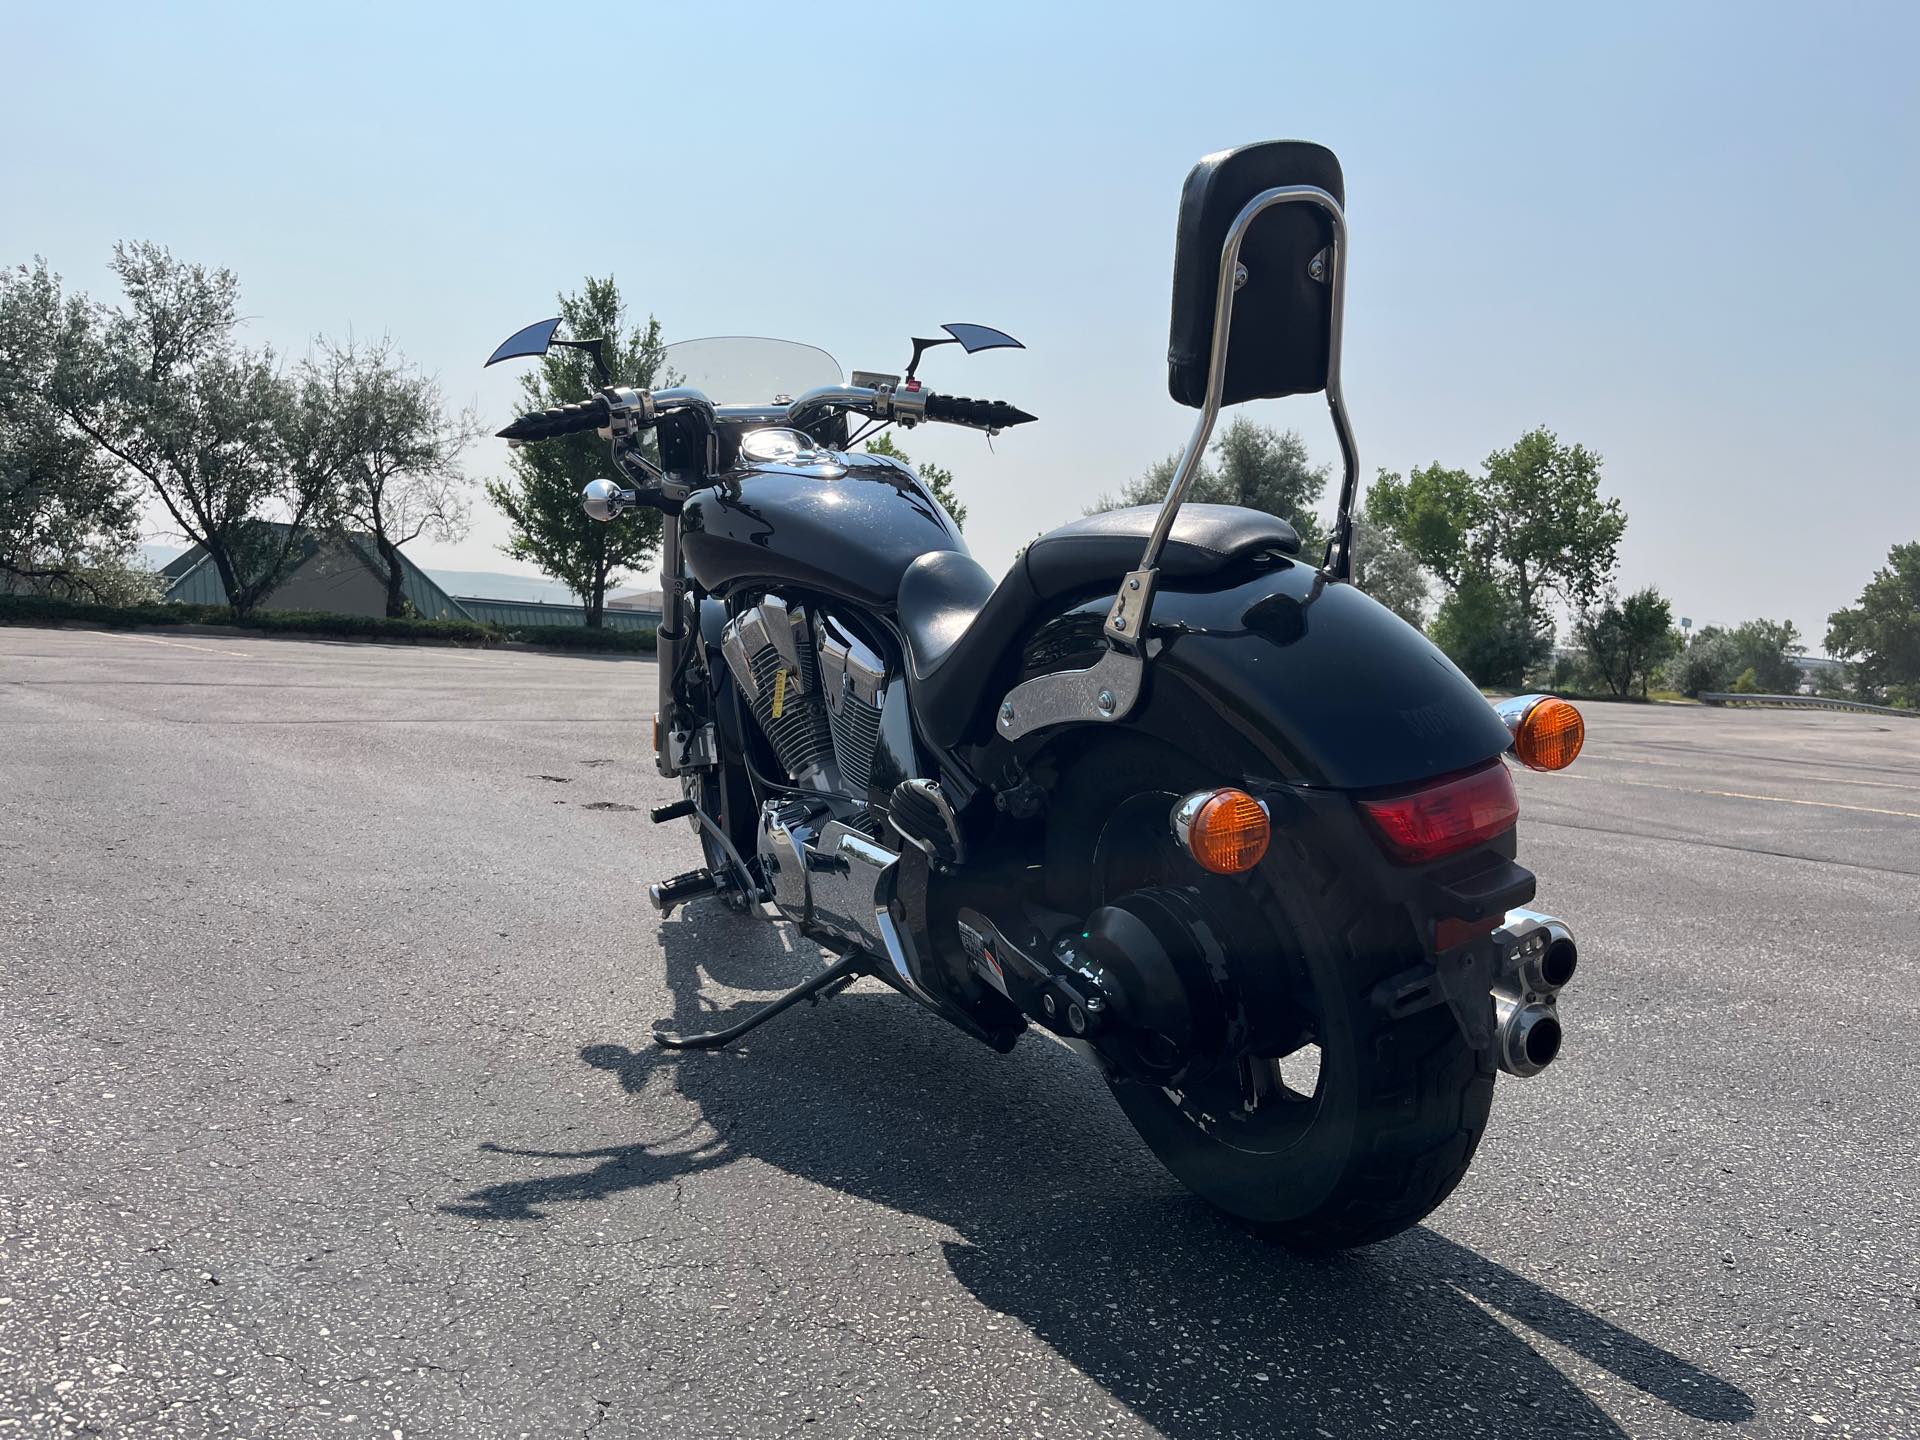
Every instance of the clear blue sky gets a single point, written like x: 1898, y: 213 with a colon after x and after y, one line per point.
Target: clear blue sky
x: 1683, y: 235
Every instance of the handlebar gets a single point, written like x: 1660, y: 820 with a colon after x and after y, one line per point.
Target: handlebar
x: 906, y: 406
x: 981, y: 414
x: 589, y: 414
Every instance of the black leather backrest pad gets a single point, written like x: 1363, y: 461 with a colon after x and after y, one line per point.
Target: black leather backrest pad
x: 1281, y: 317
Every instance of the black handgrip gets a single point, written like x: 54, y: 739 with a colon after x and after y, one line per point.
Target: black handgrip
x: 982, y: 414
x: 560, y: 420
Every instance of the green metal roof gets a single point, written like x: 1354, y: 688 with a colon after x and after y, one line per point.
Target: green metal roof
x: 535, y: 612
x: 196, y: 580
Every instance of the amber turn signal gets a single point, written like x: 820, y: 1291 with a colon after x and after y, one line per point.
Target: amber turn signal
x: 1549, y: 735
x: 1225, y: 831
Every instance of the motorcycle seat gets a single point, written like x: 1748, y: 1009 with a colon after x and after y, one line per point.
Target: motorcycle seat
x: 960, y: 627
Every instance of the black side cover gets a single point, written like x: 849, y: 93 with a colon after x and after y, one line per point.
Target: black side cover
x: 1282, y: 318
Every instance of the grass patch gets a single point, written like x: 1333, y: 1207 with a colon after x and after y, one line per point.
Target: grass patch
x: 45, y: 610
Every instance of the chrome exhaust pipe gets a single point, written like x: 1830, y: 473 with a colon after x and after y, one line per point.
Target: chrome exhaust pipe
x: 1527, y: 1035
x: 1548, y: 953
x: 1538, y: 957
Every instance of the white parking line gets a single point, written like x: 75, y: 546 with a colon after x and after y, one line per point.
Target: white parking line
x: 1590, y: 756
x: 177, y: 644
x: 1743, y: 795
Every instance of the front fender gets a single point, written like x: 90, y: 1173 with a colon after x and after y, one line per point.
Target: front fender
x: 1331, y: 687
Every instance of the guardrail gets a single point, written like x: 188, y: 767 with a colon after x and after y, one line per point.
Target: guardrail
x: 1801, y: 702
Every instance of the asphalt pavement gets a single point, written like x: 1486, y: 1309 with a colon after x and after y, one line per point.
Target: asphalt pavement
x: 327, y: 1106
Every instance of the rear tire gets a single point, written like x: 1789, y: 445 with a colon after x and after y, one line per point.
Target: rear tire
x: 1343, y: 1152
x: 1396, y: 1109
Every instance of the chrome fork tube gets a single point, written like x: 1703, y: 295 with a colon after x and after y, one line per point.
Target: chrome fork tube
x: 668, y: 638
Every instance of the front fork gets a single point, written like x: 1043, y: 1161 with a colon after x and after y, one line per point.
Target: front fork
x: 684, y: 739
x: 670, y: 726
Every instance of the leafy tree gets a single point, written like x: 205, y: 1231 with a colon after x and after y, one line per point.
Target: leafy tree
x: 1248, y: 464
x: 164, y: 391
x: 1387, y: 571
x: 1483, y: 631
x: 1627, y: 640
x: 1709, y: 662
x: 1880, y: 634
x: 1532, y: 520
x: 542, y: 499
x: 938, y: 478
x: 69, y: 520
x: 1766, y: 647
x: 1546, y: 523
x: 399, y: 451
x: 1436, y: 513
x: 1715, y: 658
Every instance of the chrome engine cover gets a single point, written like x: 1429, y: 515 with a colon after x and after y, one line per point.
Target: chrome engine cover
x: 854, y: 685
x: 837, y: 884
x: 816, y: 691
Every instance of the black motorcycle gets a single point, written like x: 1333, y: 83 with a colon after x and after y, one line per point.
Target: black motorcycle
x: 1172, y: 792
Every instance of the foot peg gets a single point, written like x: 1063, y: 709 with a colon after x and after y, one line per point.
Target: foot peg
x: 666, y: 894
x: 678, y: 810
x: 824, y: 986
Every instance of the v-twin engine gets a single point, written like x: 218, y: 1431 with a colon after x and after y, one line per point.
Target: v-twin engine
x: 816, y: 692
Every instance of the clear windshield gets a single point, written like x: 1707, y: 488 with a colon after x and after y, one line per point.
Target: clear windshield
x: 748, y: 369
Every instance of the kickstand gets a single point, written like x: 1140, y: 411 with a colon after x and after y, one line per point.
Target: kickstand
x: 836, y: 977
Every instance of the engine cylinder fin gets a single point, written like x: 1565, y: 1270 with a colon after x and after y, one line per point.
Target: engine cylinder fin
x: 856, y: 735
x: 789, y: 710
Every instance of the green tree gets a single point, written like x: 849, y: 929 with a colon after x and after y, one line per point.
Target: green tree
x: 164, y: 390
x: 1766, y: 647
x: 1713, y: 659
x: 69, y: 519
x: 1879, y: 636
x: 542, y: 499
x: 1546, y: 524
x: 1533, y: 520
x: 1248, y: 464
x: 1387, y: 571
x: 1482, y: 630
x: 1435, y: 512
x: 938, y: 478
x: 1626, y: 641
x: 399, y: 450
x: 1708, y: 663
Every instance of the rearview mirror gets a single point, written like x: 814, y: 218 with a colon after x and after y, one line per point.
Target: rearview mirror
x: 603, y: 500
x: 981, y: 337
x: 536, y: 339
x: 968, y: 337
x: 1284, y: 306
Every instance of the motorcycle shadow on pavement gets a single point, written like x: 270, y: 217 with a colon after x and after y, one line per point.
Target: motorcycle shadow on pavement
x: 1069, y: 1227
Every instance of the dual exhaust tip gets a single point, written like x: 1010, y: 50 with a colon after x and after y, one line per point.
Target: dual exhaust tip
x: 1527, y: 1032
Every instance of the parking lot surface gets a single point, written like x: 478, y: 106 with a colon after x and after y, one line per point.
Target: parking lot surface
x: 327, y: 1105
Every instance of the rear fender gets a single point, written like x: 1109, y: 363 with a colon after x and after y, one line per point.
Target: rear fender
x: 1331, y: 689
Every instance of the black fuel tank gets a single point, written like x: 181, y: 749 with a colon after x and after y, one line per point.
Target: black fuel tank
x: 847, y: 525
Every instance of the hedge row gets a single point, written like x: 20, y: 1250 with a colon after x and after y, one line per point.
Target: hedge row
x: 41, y: 610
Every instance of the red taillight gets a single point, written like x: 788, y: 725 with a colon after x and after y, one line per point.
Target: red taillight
x: 1447, y: 818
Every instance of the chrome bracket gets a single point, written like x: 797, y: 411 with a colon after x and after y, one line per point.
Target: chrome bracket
x: 1127, y: 616
x: 1106, y: 690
